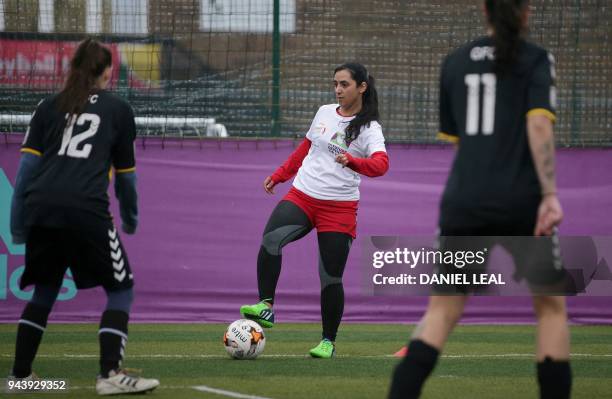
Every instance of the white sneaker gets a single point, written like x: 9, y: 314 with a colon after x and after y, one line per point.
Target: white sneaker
x: 31, y: 377
x: 119, y: 382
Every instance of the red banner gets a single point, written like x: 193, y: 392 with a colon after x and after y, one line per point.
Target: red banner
x: 41, y: 64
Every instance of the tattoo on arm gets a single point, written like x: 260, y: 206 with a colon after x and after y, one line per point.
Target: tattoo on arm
x: 548, y: 163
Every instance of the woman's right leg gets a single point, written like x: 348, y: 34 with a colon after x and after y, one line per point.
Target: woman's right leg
x: 286, y: 224
x: 113, y: 332
x: 103, y: 260
x: 113, y: 335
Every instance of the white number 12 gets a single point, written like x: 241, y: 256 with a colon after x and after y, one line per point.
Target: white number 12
x: 473, y: 82
x: 70, y: 143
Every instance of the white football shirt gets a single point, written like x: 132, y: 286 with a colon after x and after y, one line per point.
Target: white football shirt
x: 320, y: 176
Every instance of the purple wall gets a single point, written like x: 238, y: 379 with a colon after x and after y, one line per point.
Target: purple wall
x: 202, y: 212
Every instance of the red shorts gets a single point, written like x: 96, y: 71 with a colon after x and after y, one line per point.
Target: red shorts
x: 327, y: 215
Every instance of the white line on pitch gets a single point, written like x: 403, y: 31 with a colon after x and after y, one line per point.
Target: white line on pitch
x: 161, y: 387
x: 230, y: 394
x: 288, y: 356
x: 162, y: 356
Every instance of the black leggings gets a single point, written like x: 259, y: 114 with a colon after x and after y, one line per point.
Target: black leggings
x: 289, y: 223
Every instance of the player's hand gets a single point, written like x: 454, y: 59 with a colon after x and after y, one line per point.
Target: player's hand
x: 128, y: 229
x: 343, y: 159
x: 18, y: 234
x: 269, y: 185
x: 550, y: 215
x: 19, y: 239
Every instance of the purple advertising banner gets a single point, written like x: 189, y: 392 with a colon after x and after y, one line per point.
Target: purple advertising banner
x: 203, y: 210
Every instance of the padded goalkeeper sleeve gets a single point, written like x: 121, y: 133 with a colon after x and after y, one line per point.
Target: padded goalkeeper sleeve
x: 125, y: 191
x: 28, y: 166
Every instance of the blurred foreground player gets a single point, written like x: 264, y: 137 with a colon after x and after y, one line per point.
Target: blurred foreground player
x: 60, y: 209
x: 497, y: 99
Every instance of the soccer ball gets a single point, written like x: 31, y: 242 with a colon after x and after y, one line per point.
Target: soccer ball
x: 244, y: 339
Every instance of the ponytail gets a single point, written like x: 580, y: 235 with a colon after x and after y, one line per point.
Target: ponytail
x: 87, y: 65
x: 505, y: 16
x: 369, y: 108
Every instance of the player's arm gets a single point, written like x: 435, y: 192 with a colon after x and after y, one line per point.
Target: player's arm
x: 376, y: 164
x: 29, y: 164
x: 542, y: 145
x: 540, y: 118
x: 448, y: 130
x: 289, y: 168
x: 125, y: 169
x: 126, y: 193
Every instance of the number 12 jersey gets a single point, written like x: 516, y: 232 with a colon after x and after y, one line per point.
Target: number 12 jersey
x: 70, y: 187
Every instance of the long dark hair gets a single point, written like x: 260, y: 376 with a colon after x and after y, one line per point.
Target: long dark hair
x: 505, y: 16
x: 369, y: 108
x: 88, y: 63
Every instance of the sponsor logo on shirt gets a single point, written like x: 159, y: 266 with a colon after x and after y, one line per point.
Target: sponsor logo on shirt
x: 337, y: 145
x: 320, y: 128
x: 482, y: 53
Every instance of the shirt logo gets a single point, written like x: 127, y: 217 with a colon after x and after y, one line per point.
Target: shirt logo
x: 337, y: 145
x: 320, y: 128
x: 482, y: 53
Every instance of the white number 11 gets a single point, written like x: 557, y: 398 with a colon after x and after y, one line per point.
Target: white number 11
x: 473, y: 82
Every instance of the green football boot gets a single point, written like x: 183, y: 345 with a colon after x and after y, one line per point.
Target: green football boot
x: 325, y: 350
x: 260, y: 312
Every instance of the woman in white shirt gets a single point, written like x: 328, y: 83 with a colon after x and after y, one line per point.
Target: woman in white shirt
x: 344, y: 141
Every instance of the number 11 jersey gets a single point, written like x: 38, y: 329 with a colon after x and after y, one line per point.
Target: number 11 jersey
x: 486, y: 114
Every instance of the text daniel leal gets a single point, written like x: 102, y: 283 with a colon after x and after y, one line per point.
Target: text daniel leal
x: 441, y: 278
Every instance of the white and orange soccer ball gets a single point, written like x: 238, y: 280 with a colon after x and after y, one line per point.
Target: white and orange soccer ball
x: 244, y: 339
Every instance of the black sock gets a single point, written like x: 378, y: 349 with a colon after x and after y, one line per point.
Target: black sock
x: 413, y: 370
x: 268, y: 272
x: 555, y: 379
x: 332, y: 307
x: 29, y: 334
x: 113, y: 337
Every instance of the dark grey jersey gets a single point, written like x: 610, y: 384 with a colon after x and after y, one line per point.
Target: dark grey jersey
x: 70, y: 188
x: 486, y: 113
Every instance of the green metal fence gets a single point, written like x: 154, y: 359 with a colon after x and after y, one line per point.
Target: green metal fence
x: 263, y: 73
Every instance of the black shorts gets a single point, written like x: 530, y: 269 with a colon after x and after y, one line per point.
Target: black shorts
x: 536, y: 259
x: 95, y: 257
